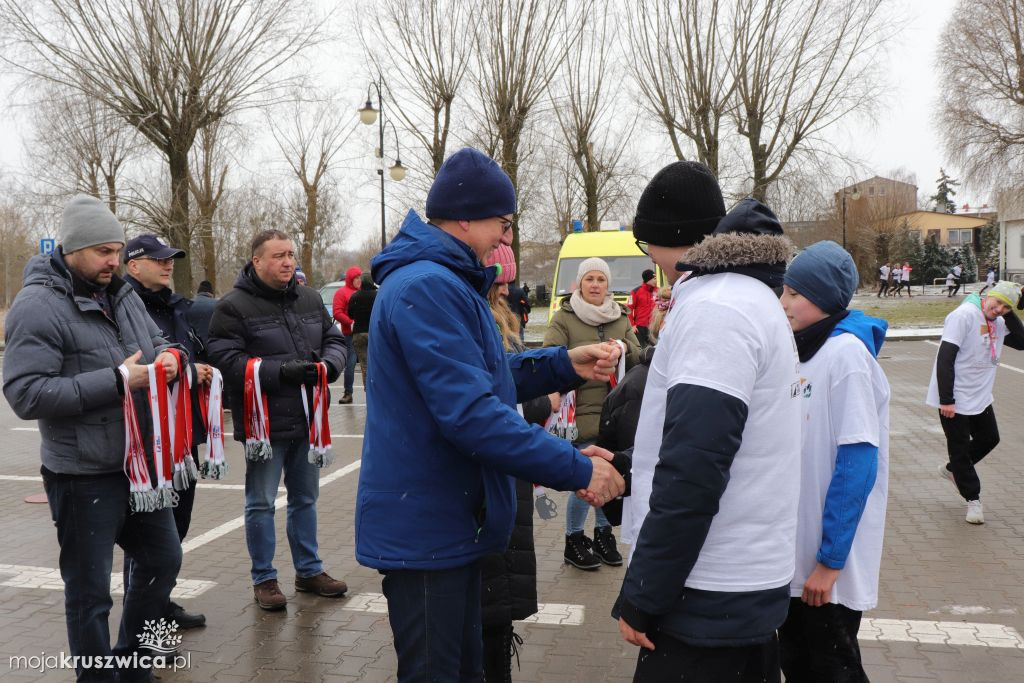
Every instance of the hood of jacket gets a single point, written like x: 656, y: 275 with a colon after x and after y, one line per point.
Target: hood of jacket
x: 871, y: 331
x: 249, y: 281
x: 352, y: 276
x: 748, y: 240
x: 420, y: 241
x: 53, y: 272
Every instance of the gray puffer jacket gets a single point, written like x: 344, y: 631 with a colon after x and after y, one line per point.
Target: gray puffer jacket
x: 59, y: 364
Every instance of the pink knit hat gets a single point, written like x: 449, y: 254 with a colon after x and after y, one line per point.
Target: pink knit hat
x: 504, y: 257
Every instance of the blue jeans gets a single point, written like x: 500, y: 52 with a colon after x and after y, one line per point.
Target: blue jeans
x: 436, y: 622
x: 576, y: 515
x: 350, y: 364
x: 91, y: 515
x: 302, y: 481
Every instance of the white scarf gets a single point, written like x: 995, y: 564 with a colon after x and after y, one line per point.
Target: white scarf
x: 608, y: 311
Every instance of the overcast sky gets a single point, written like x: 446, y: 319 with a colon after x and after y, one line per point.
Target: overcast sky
x: 901, y: 136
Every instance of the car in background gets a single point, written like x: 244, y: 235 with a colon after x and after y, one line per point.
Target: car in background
x: 327, y: 295
x: 617, y: 247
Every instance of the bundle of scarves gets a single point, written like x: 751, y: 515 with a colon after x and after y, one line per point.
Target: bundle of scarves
x: 257, y: 417
x: 171, y: 412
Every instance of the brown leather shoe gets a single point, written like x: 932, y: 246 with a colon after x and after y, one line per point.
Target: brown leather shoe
x: 322, y: 584
x: 268, y: 595
x: 345, y: 399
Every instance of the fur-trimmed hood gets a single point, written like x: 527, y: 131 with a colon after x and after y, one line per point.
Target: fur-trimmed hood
x: 748, y: 240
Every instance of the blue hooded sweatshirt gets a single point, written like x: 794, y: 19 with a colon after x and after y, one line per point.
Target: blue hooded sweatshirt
x: 442, y: 432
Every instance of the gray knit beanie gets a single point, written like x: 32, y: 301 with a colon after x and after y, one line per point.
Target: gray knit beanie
x: 87, y: 222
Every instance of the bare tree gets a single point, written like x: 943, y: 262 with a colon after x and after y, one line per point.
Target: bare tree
x: 520, y: 45
x: 78, y: 145
x: 584, y: 112
x: 799, y: 66
x: 680, y: 62
x: 309, y: 137
x: 981, y: 113
x: 168, y: 67
x: 208, y: 171
x: 426, y: 60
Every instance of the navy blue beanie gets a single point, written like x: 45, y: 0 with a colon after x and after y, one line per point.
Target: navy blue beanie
x: 826, y: 274
x: 469, y: 186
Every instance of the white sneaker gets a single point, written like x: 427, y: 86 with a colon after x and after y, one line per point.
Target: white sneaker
x: 974, y: 513
x: 946, y: 474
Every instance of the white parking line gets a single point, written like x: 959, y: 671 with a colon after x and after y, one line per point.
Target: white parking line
x: 238, y: 522
x: 203, y: 484
x: 1002, y: 365
x: 946, y: 632
x: 44, y: 578
x: 554, y: 613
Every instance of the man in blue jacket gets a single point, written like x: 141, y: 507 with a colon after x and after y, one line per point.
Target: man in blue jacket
x: 442, y: 432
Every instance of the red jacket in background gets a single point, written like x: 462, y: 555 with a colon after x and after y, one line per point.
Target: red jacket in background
x: 641, y: 305
x: 340, y: 305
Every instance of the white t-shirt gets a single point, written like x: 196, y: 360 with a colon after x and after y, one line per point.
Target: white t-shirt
x: 846, y: 401
x: 949, y: 279
x: 897, y: 273
x: 728, y: 332
x: 990, y: 279
x: 957, y: 270
x: 974, y: 369
x: 906, y: 273
x: 883, y: 273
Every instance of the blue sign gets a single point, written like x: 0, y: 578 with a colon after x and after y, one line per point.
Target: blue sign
x: 47, y: 246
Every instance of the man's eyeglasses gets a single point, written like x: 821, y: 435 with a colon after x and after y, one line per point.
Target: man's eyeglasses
x: 642, y: 246
x: 506, y: 224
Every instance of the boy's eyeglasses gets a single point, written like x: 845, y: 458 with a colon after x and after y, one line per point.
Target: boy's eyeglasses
x: 642, y: 246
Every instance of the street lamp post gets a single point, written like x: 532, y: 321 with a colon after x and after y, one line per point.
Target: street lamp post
x: 369, y: 116
x: 854, y: 195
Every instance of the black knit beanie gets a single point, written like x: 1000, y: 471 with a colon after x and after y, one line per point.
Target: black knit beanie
x: 679, y: 207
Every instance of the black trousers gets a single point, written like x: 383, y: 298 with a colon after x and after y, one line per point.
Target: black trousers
x: 969, y: 438
x: 674, y: 660
x: 883, y: 287
x: 819, y: 644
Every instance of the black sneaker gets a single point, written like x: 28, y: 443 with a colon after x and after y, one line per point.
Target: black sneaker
x: 177, y: 613
x: 578, y: 553
x: 604, y: 546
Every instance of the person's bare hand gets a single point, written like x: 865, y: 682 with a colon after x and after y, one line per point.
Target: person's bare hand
x: 948, y: 411
x: 170, y: 364
x: 634, y: 637
x: 204, y: 373
x: 597, y: 451
x: 605, y: 484
x: 138, y: 375
x: 556, y: 401
x: 818, y: 587
x: 595, y: 361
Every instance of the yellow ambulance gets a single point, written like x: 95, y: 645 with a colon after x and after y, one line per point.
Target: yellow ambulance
x: 617, y: 247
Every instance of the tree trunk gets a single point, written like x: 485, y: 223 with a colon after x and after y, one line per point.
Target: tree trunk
x: 309, y: 232
x: 111, y: 192
x: 205, y: 226
x: 510, y: 162
x: 178, y: 228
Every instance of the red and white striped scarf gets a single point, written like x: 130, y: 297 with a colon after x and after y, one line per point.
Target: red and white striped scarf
x: 211, y: 402
x: 142, y: 495
x: 320, y: 452
x: 180, y: 421
x: 257, y: 415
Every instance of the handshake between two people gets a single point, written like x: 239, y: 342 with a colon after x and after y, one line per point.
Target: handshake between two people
x: 596, y: 361
x: 606, y: 484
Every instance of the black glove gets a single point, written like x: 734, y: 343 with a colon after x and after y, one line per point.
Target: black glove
x: 299, y: 372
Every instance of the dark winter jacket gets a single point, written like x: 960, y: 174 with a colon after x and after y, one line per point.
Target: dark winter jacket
x: 170, y: 313
x: 60, y: 365
x: 255, y: 321
x: 199, y: 316
x: 519, y: 302
x: 442, y: 433
x: 566, y: 329
x: 620, y: 414
x: 360, y: 307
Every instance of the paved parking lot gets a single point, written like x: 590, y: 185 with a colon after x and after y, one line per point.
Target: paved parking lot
x: 951, y: 603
